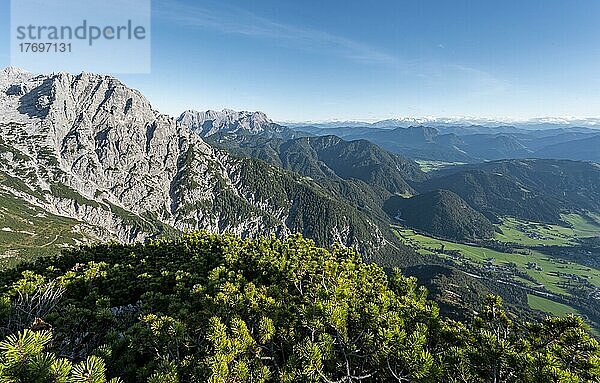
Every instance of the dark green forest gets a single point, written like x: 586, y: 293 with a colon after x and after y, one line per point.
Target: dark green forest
x: 218, y: 308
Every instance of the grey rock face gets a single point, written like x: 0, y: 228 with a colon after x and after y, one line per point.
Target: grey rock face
x: 230, y: 122
x: 90, y: 148
x: 210, y: 122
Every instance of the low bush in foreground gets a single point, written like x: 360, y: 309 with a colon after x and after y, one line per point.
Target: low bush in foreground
x: 217, y: 308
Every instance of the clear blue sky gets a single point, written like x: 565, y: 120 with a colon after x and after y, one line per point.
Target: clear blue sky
x: 318, y: 60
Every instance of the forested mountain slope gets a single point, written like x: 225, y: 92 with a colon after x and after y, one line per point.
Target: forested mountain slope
x: 89, y: 148
x: 442, y: 213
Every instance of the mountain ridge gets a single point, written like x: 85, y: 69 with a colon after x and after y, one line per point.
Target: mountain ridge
x: 466, y: 143
x: 441, y: 213
x: 88, y: 147
x: 228, y: 121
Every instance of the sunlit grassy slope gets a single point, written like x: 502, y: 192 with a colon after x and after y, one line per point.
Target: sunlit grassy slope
x: 546, y: 305
x: 552, y: 271
x: 538, y: 234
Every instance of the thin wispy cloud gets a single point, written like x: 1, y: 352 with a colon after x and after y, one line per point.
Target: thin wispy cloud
x: 481, y: 80
x: 447, y: 76
x: 234, y: 20
x: 216, y: 16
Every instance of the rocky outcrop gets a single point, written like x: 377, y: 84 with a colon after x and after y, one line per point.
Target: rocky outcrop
x: 88, y: 147
x: 231, y: 122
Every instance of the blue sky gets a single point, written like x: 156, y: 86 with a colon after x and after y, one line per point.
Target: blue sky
x: 320, y: 60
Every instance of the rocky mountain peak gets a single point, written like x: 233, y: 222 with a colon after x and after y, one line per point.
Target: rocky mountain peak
x: 210, y: 122
x: 91, y: 138
x: 92, y: 149
x: 12, y: 71
x: 12, y: 75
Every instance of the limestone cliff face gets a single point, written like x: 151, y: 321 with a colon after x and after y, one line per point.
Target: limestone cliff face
x: 88, y: 147
x: 231, y: 122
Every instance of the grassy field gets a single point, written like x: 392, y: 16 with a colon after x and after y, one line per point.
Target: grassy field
x: 584, y: 226
x: 548, y: 306
x: 538, y: 234
x: 550, y: 272
x: 554, y: 308
x: 534, y: 234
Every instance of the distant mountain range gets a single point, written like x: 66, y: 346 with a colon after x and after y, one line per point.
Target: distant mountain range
x: 84, y: 158
x: 211, y: 122
x: 379, y: 181
x: 91, y: 149
x: 584, y: 148
x: 359, y: 171
x: 441, y: 122
x: 474, y: 143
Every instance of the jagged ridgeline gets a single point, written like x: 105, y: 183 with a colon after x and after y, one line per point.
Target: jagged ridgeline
x: 89, y: 148
x: 358, y: 172
x: 216, y: 308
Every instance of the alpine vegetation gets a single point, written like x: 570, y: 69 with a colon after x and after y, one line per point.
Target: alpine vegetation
x: 217, y: 308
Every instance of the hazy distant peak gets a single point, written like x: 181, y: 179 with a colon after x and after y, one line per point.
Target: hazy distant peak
x: 529, y: 124
x: 209, y: 122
